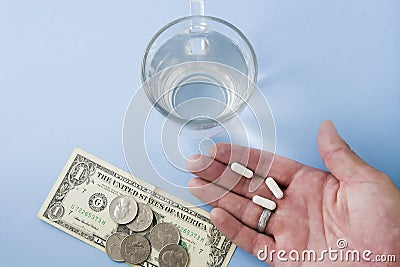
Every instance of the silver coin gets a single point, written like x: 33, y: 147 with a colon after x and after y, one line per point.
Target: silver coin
x: 164, y: 234
x: 113, y: 246
x: 173, y: 256
x: 135, y: 249
x: 124, y: 229
x: 143, y: 219
x: 123, y: 209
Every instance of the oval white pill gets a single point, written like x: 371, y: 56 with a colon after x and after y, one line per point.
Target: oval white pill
x: 264, y: 202
x: 274, y: 187
x: 242, y: 170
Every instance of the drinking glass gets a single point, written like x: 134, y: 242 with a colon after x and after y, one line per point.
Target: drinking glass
x: 198, y: 57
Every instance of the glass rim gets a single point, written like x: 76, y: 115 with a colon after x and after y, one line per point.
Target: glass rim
x: 211, y: 18
x: 252, y: 78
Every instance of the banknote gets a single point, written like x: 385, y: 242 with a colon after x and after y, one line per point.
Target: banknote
x: 79, y: 205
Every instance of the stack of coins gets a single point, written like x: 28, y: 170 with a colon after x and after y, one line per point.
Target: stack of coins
x: 136, y: 236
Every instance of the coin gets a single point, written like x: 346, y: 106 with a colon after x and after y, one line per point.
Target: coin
x: 164, y: 234
x: 173, y: 256
x: 113, y: 246
x: 123, y: 209
x: 124, y: 229
x: 143, y: 219
x: 135, y: 249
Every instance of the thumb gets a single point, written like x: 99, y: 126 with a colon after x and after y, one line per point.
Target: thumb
x: 341, y: 161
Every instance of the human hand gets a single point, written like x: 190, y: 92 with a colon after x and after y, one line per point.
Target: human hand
x: 353, y: 201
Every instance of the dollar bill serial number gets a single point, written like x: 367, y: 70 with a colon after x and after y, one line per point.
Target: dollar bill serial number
x: 187, y: 232
x: 87, y: 214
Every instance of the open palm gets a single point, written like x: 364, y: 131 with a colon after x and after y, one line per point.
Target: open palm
x: 353, y: 203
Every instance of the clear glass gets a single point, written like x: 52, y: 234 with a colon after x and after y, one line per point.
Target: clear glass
x: 206, y: 91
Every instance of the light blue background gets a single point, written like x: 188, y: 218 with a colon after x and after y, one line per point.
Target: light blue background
x: 69, y: 68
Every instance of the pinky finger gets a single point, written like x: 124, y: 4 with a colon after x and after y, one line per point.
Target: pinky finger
x: 243, y: 236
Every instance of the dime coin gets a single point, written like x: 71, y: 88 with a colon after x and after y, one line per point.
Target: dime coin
x: 135, y: 249
x: 173, y: 256
x: 123, y: 209
x: 113, y: 246
x: 143, y: 219
x: 164, y: 234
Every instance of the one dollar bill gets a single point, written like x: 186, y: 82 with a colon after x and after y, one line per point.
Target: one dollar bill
x: 79, y: 201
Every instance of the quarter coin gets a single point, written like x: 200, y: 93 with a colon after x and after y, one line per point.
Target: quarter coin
x: 135, y: 249
x: 113, y: 246
x: 173, y: 256
x: 143, y: 219
x: 164, y: 234
x: 123, y: 209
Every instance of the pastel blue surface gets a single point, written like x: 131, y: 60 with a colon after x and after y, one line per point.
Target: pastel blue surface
x: 69, y: 68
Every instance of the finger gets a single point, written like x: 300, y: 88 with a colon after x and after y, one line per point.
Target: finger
x: 240, y: 207
x: 221, y: 174
x: 341, y: 161
x: 240, y: 234
x: 263, y: 163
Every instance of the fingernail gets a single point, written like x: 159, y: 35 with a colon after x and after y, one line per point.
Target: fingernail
x: 212, y: 151
x: 193, y: 183
x: 330, y: 127
x: 194, y: 157
x: 214, y: 215
x: 193, y: 163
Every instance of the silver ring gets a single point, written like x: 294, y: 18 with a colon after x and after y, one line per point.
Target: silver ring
x: 262, y: 222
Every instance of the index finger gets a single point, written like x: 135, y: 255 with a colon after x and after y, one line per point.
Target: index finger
x: 263, y: 163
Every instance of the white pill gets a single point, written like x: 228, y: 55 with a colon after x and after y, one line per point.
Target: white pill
x: 264, y: 202
x: 274, y: 187
x: 242, y: 170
